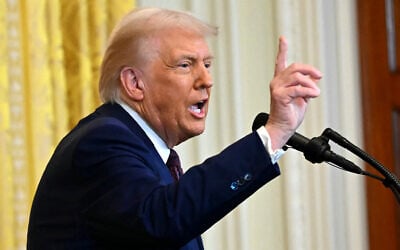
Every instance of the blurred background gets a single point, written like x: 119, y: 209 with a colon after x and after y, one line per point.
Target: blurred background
x: 50, y: 53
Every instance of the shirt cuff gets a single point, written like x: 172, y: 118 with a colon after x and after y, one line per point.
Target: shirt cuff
x: 266, y: 139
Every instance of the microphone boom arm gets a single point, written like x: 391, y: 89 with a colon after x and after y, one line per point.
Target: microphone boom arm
x: 390, y: 181
x: 317, y: 150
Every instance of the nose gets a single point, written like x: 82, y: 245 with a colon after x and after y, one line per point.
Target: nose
x: 203, y: 79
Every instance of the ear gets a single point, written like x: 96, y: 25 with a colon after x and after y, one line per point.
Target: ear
x: 131, y: 83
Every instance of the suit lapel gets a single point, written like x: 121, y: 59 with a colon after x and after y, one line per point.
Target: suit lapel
x: 116, y: 111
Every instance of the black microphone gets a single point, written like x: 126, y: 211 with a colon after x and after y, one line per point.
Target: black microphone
x: 315, y: 150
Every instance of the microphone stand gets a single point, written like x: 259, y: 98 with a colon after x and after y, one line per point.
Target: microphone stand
x: 389, y: 181
x: 317, y: 150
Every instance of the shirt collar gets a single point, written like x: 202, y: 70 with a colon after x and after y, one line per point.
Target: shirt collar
x: 158, y: 143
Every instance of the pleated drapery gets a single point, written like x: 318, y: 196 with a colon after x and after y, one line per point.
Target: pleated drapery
x: 307, y: 207
x: 50, y: 53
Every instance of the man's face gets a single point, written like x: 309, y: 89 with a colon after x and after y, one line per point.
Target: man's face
x: 177, y: 84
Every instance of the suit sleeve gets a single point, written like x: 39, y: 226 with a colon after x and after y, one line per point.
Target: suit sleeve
x: 126, y: 195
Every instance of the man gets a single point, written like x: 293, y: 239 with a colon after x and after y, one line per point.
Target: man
x: 107, y: 186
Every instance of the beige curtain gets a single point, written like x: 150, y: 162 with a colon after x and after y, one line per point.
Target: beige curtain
x: 50, y: 51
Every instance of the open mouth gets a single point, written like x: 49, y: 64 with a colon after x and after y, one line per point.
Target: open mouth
x: 197, y: 108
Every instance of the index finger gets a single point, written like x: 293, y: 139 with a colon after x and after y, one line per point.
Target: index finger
x: 281, y: 58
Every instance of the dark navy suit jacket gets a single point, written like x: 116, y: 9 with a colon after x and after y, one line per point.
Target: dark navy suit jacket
x: 106, y: 187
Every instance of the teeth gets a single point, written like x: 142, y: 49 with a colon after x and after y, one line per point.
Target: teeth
x: 195, y: 109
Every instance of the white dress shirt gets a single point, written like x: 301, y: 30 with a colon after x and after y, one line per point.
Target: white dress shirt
x: 164, y: 151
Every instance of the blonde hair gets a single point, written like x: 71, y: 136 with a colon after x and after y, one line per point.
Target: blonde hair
x: 128, y: 44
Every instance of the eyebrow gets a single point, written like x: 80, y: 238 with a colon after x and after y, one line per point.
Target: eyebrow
x: 194, y: 58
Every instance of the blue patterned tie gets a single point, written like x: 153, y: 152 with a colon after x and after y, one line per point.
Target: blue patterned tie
x: 174, y: 165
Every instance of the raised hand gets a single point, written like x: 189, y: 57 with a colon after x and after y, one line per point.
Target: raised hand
x: 291, y: 88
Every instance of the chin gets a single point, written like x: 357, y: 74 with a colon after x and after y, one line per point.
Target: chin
x: 191, y: 134
x: 198, y: 131
x: 195, y: 131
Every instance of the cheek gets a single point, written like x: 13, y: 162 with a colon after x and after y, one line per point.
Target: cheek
x: 170, y: 94
x: 170, y: 105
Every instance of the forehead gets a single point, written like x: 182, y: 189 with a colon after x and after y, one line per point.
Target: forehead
x: 174, y: 42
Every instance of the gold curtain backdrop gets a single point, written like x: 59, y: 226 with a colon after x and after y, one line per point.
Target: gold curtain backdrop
x: 50, y: 53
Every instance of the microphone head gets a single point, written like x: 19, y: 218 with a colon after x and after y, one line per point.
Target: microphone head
x: 260, y: 120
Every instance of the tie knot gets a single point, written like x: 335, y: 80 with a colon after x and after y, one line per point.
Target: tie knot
x: 174, y: 165
x: 173, y: 159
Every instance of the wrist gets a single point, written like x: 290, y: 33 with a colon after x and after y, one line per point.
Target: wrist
x: 274, y: 154
x: 278, y: 136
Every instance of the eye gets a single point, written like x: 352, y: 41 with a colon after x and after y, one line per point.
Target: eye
x: 207, y: 65
x: 184, y: 65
